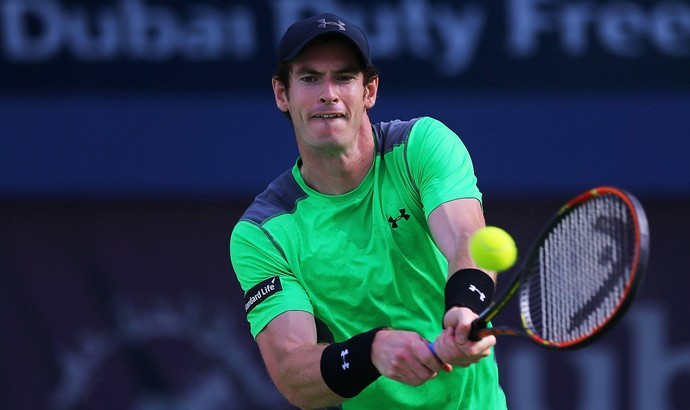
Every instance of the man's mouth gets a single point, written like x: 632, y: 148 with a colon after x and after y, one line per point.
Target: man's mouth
x: 328, y: 116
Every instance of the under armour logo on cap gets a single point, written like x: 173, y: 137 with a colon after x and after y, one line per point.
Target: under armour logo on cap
x: 323, y: 23
x: 299, y: 34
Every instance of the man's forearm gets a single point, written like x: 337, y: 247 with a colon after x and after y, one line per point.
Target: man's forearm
x: 298, y: 377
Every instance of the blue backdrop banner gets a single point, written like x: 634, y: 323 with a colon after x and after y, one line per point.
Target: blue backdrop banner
x: 225, y: 45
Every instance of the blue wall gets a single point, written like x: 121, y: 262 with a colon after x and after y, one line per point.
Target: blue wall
x: 228, y: 145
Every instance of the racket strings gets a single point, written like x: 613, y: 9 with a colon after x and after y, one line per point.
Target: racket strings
x: 581, y: 272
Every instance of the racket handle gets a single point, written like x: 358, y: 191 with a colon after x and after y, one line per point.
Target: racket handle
x: 474, y: 336
x: 477, y: 325
x: 446, y: 367
x: 432, y: 347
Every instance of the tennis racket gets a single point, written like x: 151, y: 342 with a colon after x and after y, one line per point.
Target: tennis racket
x: 581, y: 273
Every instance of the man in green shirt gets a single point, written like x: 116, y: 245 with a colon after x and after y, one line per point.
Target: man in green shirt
x: 356, y: 258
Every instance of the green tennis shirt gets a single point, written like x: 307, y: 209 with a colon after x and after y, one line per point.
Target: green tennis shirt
x: 367, y: 258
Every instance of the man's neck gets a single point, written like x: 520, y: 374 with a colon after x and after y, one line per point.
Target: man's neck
x: 339, y: 173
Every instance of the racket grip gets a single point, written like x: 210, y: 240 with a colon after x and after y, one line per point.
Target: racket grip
x: 477, y: 325
x: 432, y: 347
x: 446, y: 367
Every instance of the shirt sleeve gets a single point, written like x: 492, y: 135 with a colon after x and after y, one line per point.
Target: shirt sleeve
x: 269, y: 286
x: 440, y: 165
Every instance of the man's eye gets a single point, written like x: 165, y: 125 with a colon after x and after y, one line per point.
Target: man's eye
x: 308, y: 79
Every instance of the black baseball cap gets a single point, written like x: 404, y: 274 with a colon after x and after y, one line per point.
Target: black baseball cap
x: 298, y: 35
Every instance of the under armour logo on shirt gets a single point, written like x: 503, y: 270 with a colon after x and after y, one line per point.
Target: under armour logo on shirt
x: 323, y: 23
x: 394, y: 221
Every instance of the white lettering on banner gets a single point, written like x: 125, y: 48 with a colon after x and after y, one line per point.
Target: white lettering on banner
x: 653, y: 368
x: 656, y: 365
x: 622, y: 28
x: 205, y: 331
x: 445, y: 34
x: 642, y: 367
x: 37, y: 31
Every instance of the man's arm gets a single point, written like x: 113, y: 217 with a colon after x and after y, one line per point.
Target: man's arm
x: 452, y: 225
x: 293, y: 359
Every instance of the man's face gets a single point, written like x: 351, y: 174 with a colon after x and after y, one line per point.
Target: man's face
x: 327, y: 98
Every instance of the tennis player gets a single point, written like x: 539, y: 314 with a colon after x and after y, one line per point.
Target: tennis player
x: 354, y: 259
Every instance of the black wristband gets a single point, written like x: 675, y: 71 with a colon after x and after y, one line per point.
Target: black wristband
x: 470, y: 288
x: 346, y: 367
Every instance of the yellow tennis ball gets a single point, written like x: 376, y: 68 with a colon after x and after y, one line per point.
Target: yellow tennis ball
x: 493, y: 249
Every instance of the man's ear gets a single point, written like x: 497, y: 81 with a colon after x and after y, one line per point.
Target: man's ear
x: 370, y: 92
x: 280, y: 93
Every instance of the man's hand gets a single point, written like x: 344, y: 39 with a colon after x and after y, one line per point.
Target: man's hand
x: 453, y: 346
x: 405, y: 356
